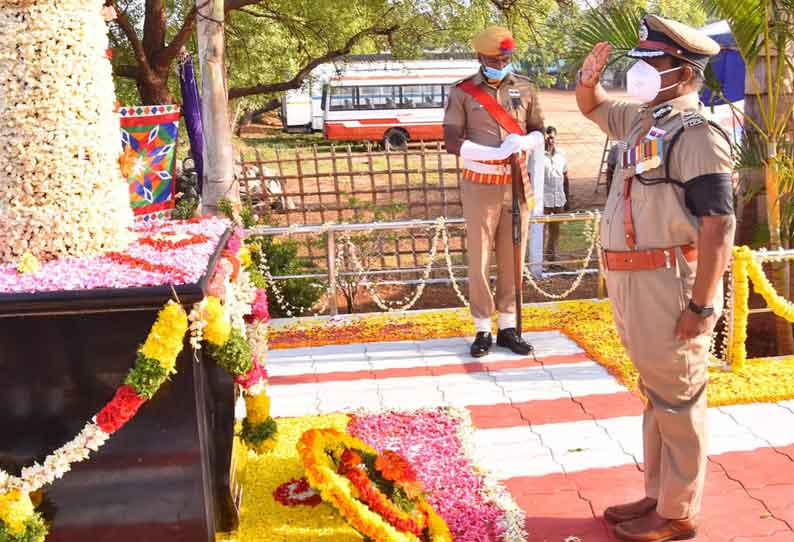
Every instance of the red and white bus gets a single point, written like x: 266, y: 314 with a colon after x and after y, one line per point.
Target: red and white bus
x: 391, y: 105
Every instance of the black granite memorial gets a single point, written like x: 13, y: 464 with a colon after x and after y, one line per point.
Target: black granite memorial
x: 165, y: 476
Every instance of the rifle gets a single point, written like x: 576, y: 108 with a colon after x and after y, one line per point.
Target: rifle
x: 518, y: 264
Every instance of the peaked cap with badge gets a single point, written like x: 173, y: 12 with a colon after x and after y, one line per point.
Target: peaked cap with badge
x: 660, y: 36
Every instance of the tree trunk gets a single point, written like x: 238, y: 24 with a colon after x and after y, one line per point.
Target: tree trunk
x: 154, y: 90
x: 219, y: 182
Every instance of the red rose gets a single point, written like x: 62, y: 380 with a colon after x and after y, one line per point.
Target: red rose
x: 119, y: 410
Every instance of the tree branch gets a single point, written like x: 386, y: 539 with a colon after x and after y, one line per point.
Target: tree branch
x: 297, y: 81
x: 133, y: 72
x: 129, y: 31
x: 180, y: 39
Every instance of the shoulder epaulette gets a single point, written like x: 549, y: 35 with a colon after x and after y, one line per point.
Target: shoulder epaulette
x: 691, y: 119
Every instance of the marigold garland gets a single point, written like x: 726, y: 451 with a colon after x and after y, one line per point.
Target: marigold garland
x: 320, y: 450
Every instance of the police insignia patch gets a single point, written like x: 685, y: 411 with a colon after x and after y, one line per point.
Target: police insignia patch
x: 662, y: 111
x: 690, y: 119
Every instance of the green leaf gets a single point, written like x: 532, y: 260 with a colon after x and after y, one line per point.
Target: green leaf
x: 146, y: 376
x: 255, y: 433
x: 234, y: 355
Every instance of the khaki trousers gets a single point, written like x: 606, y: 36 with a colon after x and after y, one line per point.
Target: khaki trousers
x: 673, y: 377
x: 487, y: 209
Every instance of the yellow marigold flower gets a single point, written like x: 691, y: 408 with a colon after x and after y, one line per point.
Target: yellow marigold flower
x: 16, y: 508
x: 218, y: 325
x: 257, y: 407
x: 245, y: 256
x: 165, y: 340
x: 28, y: 263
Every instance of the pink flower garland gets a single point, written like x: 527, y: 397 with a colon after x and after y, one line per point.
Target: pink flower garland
x: 429, y: 440
x: 259, y: 308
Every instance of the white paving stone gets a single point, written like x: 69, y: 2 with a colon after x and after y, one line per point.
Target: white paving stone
x: 771, y: 423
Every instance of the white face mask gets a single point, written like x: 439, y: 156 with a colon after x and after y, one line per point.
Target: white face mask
x: 644, y: 83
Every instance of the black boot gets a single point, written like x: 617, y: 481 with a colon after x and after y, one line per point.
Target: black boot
x: 509, y: 338
x: 482, y: 343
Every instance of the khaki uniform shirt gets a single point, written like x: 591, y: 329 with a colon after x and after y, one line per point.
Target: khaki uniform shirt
x: 661, y: 217
x: 478, y: 125
x: 516, y: 94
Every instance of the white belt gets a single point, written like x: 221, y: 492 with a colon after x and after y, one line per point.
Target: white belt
x: 487, y: 169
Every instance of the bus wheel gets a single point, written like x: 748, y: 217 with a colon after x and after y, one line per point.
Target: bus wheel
x: 395, y: 138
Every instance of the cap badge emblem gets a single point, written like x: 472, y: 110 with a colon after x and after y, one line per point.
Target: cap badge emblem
x: 643, y: 31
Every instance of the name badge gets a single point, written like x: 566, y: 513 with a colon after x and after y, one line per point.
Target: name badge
x: 515, y: 97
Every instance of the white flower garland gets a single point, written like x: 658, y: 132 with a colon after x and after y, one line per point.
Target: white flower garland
x: 58, y: 463
x: 408, y: 301
x: 592, y: 233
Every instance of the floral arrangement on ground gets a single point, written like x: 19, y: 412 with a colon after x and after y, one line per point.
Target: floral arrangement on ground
x: 231, y: 321
x: 588, y: 322
x: 426, y: 449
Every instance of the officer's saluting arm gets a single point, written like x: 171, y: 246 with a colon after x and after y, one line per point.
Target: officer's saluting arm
x: 614, y: 118
x: 703, y: 162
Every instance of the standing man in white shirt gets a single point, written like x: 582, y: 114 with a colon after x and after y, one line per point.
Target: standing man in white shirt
x: 555, y: 189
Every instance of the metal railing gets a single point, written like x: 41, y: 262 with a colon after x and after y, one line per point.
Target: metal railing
x: 331, y: 230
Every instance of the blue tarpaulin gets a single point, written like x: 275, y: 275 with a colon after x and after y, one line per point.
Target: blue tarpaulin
x: 191, y: 112
x: 728, y: 66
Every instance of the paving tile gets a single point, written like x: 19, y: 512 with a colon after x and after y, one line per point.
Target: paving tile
x: 758, y: 468
x: 612, y: 405
x: 781, y: 536
x: 770, y: 422
x: 290, y: 354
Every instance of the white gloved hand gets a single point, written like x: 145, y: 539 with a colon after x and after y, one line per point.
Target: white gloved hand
x: 474, y: 151
x: 533, y: 140
x: 512, y: 144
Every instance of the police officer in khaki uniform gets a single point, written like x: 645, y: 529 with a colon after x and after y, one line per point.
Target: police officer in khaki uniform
x: 477, y: 131
x: 667, y: 235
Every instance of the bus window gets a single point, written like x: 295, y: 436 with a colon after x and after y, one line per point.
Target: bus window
x: 342, y: 98
x: 411, y: 96
x: 385, y: 97
x: 432, y: 96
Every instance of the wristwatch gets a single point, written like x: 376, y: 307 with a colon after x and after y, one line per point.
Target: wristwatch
x: 704, y: 311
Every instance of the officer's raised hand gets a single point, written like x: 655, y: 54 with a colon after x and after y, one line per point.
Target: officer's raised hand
x: 594, y: 65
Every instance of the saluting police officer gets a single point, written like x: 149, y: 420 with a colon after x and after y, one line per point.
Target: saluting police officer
x: 667, y: 235
x: 485, y: 117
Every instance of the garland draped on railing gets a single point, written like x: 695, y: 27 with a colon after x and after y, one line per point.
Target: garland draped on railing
x: 745, y: 269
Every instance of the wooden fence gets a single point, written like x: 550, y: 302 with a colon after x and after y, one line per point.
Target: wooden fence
x: 308, y: 186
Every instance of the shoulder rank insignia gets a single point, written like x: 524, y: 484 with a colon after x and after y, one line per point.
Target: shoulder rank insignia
x: 690, y: 119
x: 662, y: 111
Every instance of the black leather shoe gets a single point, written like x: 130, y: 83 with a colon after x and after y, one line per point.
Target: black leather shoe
x: 482, y: 343
x: 508, y: 338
